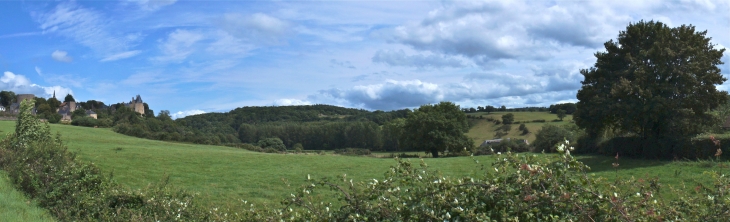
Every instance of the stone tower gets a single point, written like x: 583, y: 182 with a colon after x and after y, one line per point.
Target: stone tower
x: 137, y: 105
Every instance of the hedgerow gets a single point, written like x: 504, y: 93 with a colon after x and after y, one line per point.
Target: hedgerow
x: 515, y: 187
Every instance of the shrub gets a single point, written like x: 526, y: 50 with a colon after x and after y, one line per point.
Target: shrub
x: 251, y: 147
x: 508, y: 118
x: 403, y: 155
x: 505, y: 128
x: 538, y: 121
x: 516, y: 146
x: 270, y: 150
x: 298, y: 146
x: 85, y: 121
x: 274, y: 143
x: 550, y: 135
x: 352, y: 152
x: 500, y: 134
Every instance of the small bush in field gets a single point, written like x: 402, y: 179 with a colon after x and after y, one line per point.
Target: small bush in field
x: 548, y: 136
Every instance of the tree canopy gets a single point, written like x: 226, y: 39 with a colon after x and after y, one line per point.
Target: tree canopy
x: 437, y: 128
x: 7, y: 98
x: 653, y: 83
x: 69, y: 98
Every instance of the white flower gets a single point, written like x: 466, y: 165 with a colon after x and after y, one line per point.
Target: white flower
x: 561, y: 148
x: 710, y: 197
x: 495, y: 169
x: 448, y: 216
x: 638, y: 195
x: 567, y: 142
x: 308, y: 177
x: 499, y: 153
x: 615, y: 194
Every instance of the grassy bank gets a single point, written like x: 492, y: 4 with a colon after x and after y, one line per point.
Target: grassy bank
x: 14, y: 206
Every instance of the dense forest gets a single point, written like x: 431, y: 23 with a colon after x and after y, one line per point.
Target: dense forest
x: 313, y: 127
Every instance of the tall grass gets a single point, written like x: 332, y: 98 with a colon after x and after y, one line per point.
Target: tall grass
x: 14, y: 206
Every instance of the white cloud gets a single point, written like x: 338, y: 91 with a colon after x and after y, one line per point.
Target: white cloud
x: 61, y: 56
x: 85, y: 26
x: 385, y: 96
x: 178, y: 45
x: 152, y: 5
x: 290, y: 102
x: 259, y: 27
x: 39, y: 71
x: 226, y: 44
x: 122, y: 55
x: 399, y: 58
x: 21, y: 85
x: 340, y: 63
x: 181, y: 114
x: 490, y: 32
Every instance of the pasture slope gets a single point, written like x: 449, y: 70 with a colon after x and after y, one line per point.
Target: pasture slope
x: 14, y: 206
x: 485, y: 130
x: 224, y: 175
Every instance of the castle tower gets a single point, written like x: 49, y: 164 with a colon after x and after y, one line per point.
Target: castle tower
x: 137, y: 104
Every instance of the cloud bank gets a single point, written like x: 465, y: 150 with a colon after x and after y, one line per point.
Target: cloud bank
x: 21, y: 85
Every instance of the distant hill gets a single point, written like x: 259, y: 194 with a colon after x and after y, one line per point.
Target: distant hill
x: 483, y: 129
x: 306, y: 113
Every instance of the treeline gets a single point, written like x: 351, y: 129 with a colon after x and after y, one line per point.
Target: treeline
x: 490, y: 109
x: 314, y: 127
x: 323, y: 135
x: 569, y: 108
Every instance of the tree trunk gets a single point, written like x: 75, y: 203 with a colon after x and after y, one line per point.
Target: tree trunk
x: 435, y: 153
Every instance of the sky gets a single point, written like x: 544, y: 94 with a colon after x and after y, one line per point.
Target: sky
x: 191, y: 57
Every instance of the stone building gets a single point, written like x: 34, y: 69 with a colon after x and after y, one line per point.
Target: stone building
x: 23, y: 97
x: 91, y: 114
x: 15, y: 107
x: 66, y: 109
x: 136, y: 104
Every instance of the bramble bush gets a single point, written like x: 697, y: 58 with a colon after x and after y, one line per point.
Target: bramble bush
x: 515, y: 187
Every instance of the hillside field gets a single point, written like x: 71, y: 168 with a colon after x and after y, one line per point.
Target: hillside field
x: 14, y: 206
x: 224, y: 175
x: 485, y: 130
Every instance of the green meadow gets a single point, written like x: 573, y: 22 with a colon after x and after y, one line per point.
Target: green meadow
x: 224, y: 175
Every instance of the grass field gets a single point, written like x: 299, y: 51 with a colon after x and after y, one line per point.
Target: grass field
x: 16, y: 207
x: 485, y: 130
x: 226, y: 175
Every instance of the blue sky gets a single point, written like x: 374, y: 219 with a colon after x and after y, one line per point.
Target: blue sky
x: 192, y: 57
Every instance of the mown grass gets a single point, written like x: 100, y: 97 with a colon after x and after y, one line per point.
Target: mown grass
x: 485, y: 130
x: 14, y: 206
x: 224, y: 175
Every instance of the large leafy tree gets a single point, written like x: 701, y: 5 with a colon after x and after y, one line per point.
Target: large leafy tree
x: 654, y: 83
x: 437, y: 128
x: 7, y: 98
